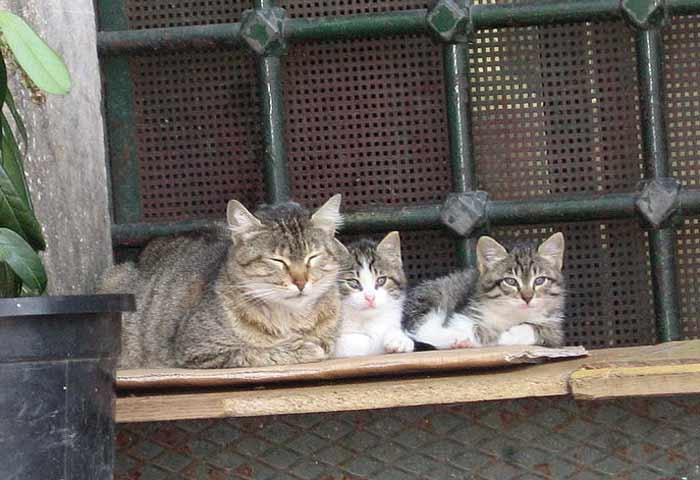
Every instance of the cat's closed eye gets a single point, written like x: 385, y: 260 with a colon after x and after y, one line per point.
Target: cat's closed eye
x: 313, y: 258
x: 279, y: 262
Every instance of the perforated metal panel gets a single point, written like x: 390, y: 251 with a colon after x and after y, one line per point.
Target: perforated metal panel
x: 145, y: 14
x: 197, y: 133
x: 682, y: 52
x: 554, y: 112
x: 310, y: 9
x: 366, y: 118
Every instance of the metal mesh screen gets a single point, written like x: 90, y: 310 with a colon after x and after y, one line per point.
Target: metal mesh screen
x: 554, y: 114
x: 144, y: 14
x: 302, y: 8
x: 197, y: 133
x: 682, y: 51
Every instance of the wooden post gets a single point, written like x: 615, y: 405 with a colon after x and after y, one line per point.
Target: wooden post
x: 65, y: 162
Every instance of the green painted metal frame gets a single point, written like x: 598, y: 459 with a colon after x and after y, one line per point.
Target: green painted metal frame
x: 116, y: 41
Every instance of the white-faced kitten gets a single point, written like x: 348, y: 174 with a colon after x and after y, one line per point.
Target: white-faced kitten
x: 372, y: 292
x: 513, y: 298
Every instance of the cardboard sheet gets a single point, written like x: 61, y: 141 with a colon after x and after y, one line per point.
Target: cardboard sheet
x: 345, y: 368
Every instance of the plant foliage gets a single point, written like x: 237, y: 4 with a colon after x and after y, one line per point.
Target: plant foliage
x: 21, y: 269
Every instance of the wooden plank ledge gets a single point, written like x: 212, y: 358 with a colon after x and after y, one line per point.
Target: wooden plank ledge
x: 614, y: 382
x: 665, y: 369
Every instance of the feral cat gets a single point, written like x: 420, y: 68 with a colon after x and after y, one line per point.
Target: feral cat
x: 372, y: 294
x: 262, y: 292
x: 514, y: 298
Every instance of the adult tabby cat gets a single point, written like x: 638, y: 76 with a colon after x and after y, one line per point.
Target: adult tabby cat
x: 512, y: 298
x: 373, y: 292
x: 262, y: 292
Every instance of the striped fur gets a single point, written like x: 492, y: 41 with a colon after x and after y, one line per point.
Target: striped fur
x: 260, y: 291
x: 514, y: 297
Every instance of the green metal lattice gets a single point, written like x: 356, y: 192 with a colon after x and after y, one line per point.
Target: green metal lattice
x: 266, y: 31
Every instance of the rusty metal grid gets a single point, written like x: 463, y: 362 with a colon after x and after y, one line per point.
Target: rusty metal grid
x: 682, y: 55
x: 629, y: 439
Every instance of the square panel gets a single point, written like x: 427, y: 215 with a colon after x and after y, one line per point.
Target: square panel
x: 198, y: 135
x: 366, y: 118
x: 555, y: 110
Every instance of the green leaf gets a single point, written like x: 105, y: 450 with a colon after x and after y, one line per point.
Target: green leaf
x: 10, y: 102
x: 12, y: 161
x: 3, y: 80
x: 16, y: 215
x: 23, y: 260
x: 9, y: 283
x: 39, y: 62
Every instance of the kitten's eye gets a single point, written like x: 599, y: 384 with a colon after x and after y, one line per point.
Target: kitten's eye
x: 380, y: 282
x: 279, y: 261
x: 540, y: 281
x: 352, y: 283
x: 511, y: 282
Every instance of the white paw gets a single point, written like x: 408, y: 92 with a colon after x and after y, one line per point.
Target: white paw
x: 397, y: 342
x: 518, y: 335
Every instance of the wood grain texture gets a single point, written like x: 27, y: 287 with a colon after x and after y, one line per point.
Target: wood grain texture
x: 360, y: 367
x: 614, y: 382
x: 549, y: 379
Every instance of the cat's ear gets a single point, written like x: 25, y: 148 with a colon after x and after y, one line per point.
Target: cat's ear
x: 552, y: 250
x: 328, y: 217
x: 240, y: 220
x: 390, y: 246
x: 488, y: 253
x: 342, y: 248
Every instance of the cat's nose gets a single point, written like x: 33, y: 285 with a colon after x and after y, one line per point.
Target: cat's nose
x: 300, y: 283
x: 369, y: 297
x: 527, y: 296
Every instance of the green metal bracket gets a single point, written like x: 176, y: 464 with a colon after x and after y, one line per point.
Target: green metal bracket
x: 463, y: 213
x: 263, y: 30
x: 659, y: 201
x: 644, y: 14
x: 450, y: 21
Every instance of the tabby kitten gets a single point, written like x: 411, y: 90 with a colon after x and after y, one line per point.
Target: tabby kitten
x: 262, y: 292
x: 514, y: 298
x: 372, y: 294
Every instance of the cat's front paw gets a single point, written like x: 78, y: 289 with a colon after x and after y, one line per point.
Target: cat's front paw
x: 518, y: 335
x: 462, y: 344
x: 397, y: 342
x: 311, y: 352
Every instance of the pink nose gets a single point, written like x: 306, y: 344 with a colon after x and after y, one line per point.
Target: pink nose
x: 369, y: 298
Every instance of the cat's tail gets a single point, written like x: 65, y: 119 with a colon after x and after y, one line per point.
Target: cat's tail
x: 121, y: 278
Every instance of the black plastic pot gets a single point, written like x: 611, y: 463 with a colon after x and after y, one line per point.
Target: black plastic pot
x: 58, y: 357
